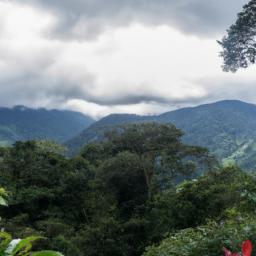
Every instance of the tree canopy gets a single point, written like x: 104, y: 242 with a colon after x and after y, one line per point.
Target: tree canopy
x: 106, y: 196
x: 239, y: 45
x: 140, y: 188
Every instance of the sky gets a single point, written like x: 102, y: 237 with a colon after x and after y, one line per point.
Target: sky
x: 117, y: 56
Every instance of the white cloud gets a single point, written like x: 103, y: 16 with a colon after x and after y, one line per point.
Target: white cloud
x: 98, y: 111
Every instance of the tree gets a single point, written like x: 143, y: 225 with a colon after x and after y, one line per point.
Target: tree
x: 133, y: 164
x: 123, y: 175
x: 239, y: 45
x: 160, y: 151
x: 32, y: 174
x: 194, y: 202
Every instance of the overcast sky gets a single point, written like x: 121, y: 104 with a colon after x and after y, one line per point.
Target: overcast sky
x: 116, y: 56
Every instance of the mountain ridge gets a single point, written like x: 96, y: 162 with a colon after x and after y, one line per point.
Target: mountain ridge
x: 227, y: 128
x: 24, y: 123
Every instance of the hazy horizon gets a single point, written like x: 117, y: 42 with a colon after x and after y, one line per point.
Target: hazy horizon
x: 128, y: 113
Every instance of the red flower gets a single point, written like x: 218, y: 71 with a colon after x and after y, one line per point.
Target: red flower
x: 246, y: 249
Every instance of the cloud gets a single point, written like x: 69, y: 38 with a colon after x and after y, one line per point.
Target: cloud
x: 87, y: 19
x: 230, y: 86
x: 97, y: 111
x: 40, y: 71
x: 135, y: 68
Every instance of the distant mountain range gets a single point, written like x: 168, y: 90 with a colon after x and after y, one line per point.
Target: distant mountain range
x: 22, y: 123
x: 226, y: 128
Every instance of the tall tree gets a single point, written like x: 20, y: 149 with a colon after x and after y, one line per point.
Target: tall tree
x: 159, y: 149
x: 239, y: 45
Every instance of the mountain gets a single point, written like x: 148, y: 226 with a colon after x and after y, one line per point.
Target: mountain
x: 22, y: 123
x: 226, y: 128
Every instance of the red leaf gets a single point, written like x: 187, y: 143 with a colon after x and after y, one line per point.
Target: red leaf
x: 247, y: 248
x: 227, y: 252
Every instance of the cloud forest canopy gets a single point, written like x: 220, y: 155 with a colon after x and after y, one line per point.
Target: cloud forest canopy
x: 97, y: 204
x: 105, y: 197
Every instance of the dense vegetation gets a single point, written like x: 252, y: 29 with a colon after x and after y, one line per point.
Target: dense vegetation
x: 222, y: 203
x: 19, y: 247
x: 226, y: 128
x: 106, y: 197
x: 22, y: 123
x: 134, y: 193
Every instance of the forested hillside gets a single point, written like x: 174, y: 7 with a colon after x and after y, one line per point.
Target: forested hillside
x: 22, y: 123
x: 131, y: 195
x: 226, y: 128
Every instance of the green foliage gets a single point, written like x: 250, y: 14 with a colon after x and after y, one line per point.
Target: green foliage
x: 51, y: 146
x: 141, y: 186
x: 206, y: 214
x: 239, y: 45
x: 24, y: 246
x: 123, y: 176
x: 5, y: 241
x: 226, y: 128
x: 3, y: 196
x: 194, y: 202
x: 102, y: 197
x: 22, y: 123
x: 21, y: 247
x: 46, y: 253
x: 135, y: 163
x: 207, y: 240
x: 158, y: 148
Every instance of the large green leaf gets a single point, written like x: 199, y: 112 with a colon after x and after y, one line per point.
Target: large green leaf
x: 24, y: 246
x: 46, y: 253
x: 3, y: 201
x: 3, y: 194
x: 5, y: 240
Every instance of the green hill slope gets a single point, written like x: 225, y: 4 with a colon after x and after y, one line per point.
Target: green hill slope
x: 22, y: 123
x: 227, y: 128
